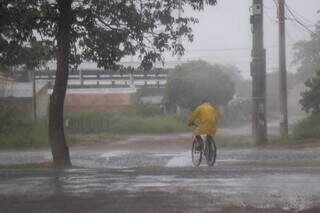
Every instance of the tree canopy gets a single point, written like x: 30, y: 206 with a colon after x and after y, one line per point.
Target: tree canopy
x: 188, y: 84
x: 310, y: 99
x: 101, y: 31
x: 307, y: 55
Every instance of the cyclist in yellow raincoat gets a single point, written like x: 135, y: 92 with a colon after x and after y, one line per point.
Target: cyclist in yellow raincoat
x: 207, y: 117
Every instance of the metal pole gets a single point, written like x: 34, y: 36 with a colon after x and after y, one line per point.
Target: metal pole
x: 81, y: 77
x: 34, y: 96
x: 282, y: 72
x: 258, y: 73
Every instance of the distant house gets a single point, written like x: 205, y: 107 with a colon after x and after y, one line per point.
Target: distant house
x: 19, y: 94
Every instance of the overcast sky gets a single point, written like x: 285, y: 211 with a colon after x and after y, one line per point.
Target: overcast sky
x: 224, y: 32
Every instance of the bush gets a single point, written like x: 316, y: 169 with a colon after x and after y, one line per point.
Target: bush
x: 308, y: 127
x: 310, y: 99
x: 141, y: 118
x: 19, y: 130
x: 9, y: 117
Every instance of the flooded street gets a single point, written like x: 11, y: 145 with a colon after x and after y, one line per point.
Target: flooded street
x: 154, y: 173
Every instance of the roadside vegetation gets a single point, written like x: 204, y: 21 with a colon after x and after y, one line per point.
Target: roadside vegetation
x: 309, y: 128
x: 141, y: 118
x: 18, y: 130
x: 307, y: 57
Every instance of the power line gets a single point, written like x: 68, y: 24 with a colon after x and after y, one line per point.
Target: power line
x: 310, y: 23
x: 292, y: 12
x: 297, y: 20
x: 276, y: 4
x: 218, y: 50
x: 228, y: 49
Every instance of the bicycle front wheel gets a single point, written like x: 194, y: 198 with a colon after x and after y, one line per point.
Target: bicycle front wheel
x: 196, y: 154
x: 211, y: 151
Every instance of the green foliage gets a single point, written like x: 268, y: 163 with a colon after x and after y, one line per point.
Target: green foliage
x: 308, y: 127
x: 19, y: 45
x: 188, y: 84
x: 8, y: 117
x: 307, y: 55
x: 311, y: 98
x: 142, y: 118
x: 18, y: 130
x: 101, y: 31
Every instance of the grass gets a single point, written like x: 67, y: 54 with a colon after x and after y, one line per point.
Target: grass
x: 308, y: 128
x: 136, y: 120
x: 26, y: 133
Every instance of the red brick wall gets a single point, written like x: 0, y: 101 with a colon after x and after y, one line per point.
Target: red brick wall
x: 82, y: 102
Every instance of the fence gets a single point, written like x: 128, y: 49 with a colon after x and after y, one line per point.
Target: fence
x: 155, y: 78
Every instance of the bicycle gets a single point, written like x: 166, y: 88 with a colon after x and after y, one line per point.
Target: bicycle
x: 208, y: 149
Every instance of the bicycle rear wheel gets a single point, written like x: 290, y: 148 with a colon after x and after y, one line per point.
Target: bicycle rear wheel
x: 211, y: 151
x: 196, y: 154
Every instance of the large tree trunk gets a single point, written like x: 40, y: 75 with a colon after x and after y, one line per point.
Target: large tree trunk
x: 59, y: 148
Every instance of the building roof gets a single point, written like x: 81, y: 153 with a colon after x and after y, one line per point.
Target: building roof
x: 22, y: 89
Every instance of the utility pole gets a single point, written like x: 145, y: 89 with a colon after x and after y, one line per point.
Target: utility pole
x: 258, y: 73
x: 282, y: 72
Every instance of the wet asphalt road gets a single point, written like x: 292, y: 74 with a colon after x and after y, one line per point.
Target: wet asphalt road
x: 146, y: 174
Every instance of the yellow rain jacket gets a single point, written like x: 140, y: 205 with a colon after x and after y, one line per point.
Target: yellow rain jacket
x: 207, y: 117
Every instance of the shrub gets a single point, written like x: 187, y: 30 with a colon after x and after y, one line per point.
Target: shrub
x: 308, y: 127
x: 310, y: 99
x: 141, y: 118
x: 21, y: 131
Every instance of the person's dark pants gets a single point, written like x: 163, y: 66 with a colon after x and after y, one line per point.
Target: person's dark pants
x: 199, y: 143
